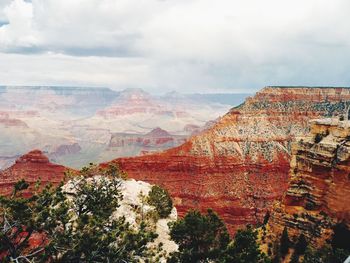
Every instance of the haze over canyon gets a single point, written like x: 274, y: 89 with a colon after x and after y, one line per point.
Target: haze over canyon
x: 74, y: 126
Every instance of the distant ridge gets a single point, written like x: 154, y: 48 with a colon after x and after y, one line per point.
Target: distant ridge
x: 49, y: 87
x: 56, y: 88
x: 310, y: 87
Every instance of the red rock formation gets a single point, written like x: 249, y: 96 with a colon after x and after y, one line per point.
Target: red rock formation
x: 32, y: 167
x: 240, y: 165
x: 319, y: 187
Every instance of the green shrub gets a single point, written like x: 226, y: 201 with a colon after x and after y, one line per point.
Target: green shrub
x: 201, y: 237
x: 161, y: 199
x: 320, y: 136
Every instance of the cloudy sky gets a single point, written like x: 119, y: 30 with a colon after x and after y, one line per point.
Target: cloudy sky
x: 183, y: 45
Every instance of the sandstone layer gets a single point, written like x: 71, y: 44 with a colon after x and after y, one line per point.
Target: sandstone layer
x: 32, y: 167
x: 239, y: 167
x: 319, y: 188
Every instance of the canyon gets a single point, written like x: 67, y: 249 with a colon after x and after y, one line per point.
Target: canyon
x: 238, y: 166
x: 77, y: 125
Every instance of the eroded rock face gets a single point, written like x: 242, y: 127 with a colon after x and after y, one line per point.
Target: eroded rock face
x: 32, y: 167
x: 319, y: 188
x: 239, y: 167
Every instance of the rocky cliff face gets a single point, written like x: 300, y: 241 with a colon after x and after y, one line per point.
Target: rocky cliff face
x: 32, y: 167
x: 240, y: 165
x: 319, y: 188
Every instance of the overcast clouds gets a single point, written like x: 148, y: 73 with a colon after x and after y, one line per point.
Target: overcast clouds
x: 184, y: 45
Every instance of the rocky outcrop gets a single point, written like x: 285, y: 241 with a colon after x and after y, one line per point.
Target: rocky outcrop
x: 239, y: 166
x: 32, y: 167
x: 319, y: 187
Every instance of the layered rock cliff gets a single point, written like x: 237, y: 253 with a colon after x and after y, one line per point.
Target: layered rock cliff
x: 239, y: 167
x: 33, y: 166
x: 319, y: 188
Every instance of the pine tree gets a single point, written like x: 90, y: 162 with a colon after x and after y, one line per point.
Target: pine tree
x: 285, y: 242
x: 244, y: 248
x: 200, y: 237
x: 301, y: 245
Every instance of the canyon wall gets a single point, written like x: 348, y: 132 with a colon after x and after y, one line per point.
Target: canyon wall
x: 319, y: 188
x: 239, y: 167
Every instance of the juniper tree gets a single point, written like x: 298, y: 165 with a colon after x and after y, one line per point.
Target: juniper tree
x: 74, y: 224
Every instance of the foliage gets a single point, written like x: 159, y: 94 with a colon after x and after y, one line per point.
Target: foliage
x: 284, y: 242
x: 341, y: 236
x: 299, y: 249
x: 325, y: 255
x: 200, y: 237
x: 244, y: 248
x: 266, y: 218
x: 319, y: 136
x: 337, y: 252
x: 19, y: 222
x: 75, y: 223
x: 301, y: 245
x: 294, y: 258
x: 204, y: 238
x: 161, y: 199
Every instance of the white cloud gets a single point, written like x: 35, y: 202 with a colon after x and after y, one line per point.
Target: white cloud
x: 3, y: 17
x: 18, y: 33
x: 59, y: 69
x: 182, y: 44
